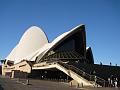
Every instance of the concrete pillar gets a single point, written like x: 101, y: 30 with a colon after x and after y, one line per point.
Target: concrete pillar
x: 71, y: 84
x: 77, y: 86
x: 81, y: 84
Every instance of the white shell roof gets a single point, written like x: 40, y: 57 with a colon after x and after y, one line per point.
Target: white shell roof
x: 11, y: 56
x: 33, y: 39
x: 33, y: 43
x: 56, y: 40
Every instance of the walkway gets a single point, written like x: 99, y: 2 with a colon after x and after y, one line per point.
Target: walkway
x: 13, y: 84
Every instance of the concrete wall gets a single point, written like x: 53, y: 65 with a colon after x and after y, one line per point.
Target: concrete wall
x: 21, y: 68
x: 18, y: 74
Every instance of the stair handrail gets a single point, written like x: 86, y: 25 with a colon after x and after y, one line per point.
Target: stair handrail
x: 83, y: 73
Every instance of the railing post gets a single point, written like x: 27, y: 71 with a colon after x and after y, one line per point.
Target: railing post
x: 77, y: 85
x: 104, y: 84
x: 71, y: 84
x: 67, y: 78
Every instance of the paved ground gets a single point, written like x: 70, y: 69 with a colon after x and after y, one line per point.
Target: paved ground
x: 13, y: 84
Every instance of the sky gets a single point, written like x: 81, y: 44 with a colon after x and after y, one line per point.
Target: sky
x: 101, y: 18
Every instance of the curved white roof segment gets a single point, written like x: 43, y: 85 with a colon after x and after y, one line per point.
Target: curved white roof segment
x: 32, y: 40
x: 42, y: 50
x: 11, y: 56
x: 65, y: 34
x: 60, y: 38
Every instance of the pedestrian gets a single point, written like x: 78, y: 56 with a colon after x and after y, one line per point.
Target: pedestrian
x: 95, y: 79
x: 109, y: 84
x: 116, y: 82
x: 111, y: 81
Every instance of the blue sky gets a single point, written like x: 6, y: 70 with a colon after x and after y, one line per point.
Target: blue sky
x: 101, y: 17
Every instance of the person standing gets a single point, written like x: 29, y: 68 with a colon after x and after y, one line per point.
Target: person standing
x: 116, y: 82
x: 95, y: 78
x: 109, y: 84
x: 111, y: 81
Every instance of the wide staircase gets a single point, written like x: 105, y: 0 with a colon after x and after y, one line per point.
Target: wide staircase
x: 93, y: 79
x: 80, y: 76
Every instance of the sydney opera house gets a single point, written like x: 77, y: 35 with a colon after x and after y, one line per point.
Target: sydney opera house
x: 65, y: 58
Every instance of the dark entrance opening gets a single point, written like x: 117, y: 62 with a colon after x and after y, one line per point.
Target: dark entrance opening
x: 52, y: 74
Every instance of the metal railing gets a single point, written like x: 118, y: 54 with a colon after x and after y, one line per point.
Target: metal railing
x: 83, y: 74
